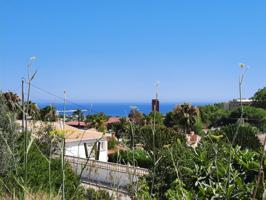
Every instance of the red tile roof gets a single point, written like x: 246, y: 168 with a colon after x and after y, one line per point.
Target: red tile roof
x: 76, y: 123
x: 112, y: 120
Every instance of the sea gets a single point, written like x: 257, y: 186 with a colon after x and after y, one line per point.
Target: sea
x: 113, y: 109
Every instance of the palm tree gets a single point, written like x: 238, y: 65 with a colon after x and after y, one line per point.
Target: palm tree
x: 98, y: 121
x: 186, y: 115
x: 79, y: 114
x: 13, y: 101
x: 33, y: 110
x: 48, y: 113
x: 135, y: 116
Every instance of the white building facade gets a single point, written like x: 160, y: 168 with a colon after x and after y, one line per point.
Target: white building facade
x: 96, y: 149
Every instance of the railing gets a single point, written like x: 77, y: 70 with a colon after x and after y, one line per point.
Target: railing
x: 108, y: 166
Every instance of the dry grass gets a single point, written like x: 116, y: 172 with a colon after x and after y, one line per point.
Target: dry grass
x: 35, y: 196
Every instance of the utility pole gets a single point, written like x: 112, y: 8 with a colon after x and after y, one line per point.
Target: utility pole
x: 23, y: 105
x: 64, y: 112
x: 63, y: 150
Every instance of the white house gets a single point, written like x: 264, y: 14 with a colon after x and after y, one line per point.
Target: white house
x: 88, y: 143
x: 80, y: 143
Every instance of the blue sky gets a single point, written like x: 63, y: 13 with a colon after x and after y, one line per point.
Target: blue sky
x: 102, y: 51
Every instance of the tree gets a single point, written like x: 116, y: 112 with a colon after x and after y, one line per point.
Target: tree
x: 98, y: 121
x: 186, y: 116
x: 163, y: 136
x: 8, y: 137
x: 246, y: 137
x: 79, y: 115
x: 121, y: 128
x: 154, y: 117
x: 48, y: 113
x: 135, y: 116
x: 12, y: 101
x: 254, y: 116
x: 260, y: 98
x: 212, y: 114
x: 185, y: 173
x: 170, y: 120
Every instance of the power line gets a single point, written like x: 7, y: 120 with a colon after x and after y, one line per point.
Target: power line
x: 55, y: 95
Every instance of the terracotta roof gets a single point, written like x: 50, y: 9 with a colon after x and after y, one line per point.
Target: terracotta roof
x: 112, y: 120
x: 71, y: 133
x: 76, y: 123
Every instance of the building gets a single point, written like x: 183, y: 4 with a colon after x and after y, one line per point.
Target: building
x: 235, y: 103
x: 77, y: 124
x: 79, y: 143
x: 88, y: 143
x: 155, y: 105
x: 113, y: 120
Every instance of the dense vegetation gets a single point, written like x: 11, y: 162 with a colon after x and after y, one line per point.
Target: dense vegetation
x: 228, y: 162
x: 39, y: 174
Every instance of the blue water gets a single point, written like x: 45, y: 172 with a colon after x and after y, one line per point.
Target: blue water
x: 114, y: 109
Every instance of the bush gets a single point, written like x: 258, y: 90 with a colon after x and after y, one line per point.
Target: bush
x: 254, y: 116
x: 163, y: 136
x: 38, y: 174
x: 246, y: 136
x: 112, y: 143
x: 91, y: 194
x: 142, y: 159
x: 203, y: 173
x: 211, y: 115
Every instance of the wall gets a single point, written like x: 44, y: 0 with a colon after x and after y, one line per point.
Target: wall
x: 77, y: 149
x: 114, y: 175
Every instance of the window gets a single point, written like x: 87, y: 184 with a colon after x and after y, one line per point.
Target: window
x: 102, y: 146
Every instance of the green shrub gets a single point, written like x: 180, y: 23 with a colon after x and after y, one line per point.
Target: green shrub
x: 91, y: 194
x: 244, y: 135
x: 142, y: 159
x: 112, y: 143
x: 163, y: 136
x: 254, y: 116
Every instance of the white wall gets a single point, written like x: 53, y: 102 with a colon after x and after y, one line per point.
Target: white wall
x: 77, y: 149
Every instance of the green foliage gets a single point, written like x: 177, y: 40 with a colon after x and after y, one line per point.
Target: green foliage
x: 154, y: 117
x: 120, y: 129
x: 178, y: 191
x: 98, y: 121
x: 143, y: 191
x: 185, y: 173
x: 243, y: 135
x: 134, y: 157
x: 136, y: 117
x: 48, y: 114
x: 12, y: 101
x: 260, y: 98
x: 170, y: 120
x: 211, y: 115
x: 8, y: 137
x: 91, y: 194
x: 163, y: 136
x: 38, y: 174
x: 78, y: 115
x: 254, y: 116
x: 185, y: 116
x: 112, y: 143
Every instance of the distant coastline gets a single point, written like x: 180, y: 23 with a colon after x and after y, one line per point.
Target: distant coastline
x: 114, y: 109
